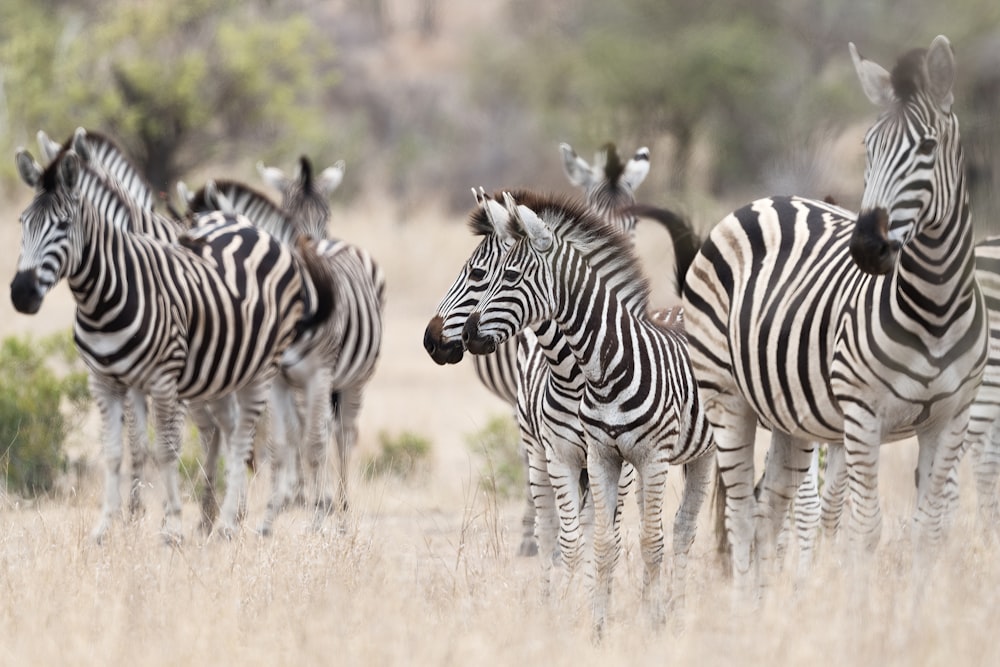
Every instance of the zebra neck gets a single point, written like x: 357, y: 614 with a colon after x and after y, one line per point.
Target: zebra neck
x: 557, y: 352
x: 99, y: 269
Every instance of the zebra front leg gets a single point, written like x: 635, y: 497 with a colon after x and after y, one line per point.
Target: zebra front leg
x: 604, y: 471
x: 807, y: 511
x: 942, y: 449
x: 283, y: 458
x: 568, y: 501
x: 862, y: 442
x: 168, y: 418
x: 652, y: 477
x: 529, y: 545
x: 834, y: 491
x: 986, y: 468
x: 110, y: 401
x: 697, y: 481
x: 546, y: 521
x: 251, y: 401
x: 787, y: 463
x: 137, y: 426
x: 215, y: 424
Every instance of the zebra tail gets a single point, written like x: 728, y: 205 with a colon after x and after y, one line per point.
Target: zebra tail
x: 686, y: 240
x: 319, y: 300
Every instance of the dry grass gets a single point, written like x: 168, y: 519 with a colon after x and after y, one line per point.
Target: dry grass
x: 423, y: 571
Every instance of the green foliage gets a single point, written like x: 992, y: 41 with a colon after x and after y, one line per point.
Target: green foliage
x: 401, y: 456
x: 43, y: 393
x: 498, y: 445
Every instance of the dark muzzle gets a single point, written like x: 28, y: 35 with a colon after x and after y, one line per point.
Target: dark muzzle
x: 24, y: 292
x: 475, y: 343
x: 441, y: 351
x: 871, y: 248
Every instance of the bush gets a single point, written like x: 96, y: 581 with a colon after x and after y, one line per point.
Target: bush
x: 400, y: 456
x: 43, y: 393
x: 499, y: 445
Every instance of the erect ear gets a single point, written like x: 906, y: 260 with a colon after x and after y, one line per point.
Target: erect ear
x: 875, y: 81
x: 577, y: 170
x: 496, y: 214
x: 69, y: 170
x: 29, y: 170
x: 941, y: 72
x: 330, y: 178
x: 184, y: 193
x: 79, y: 144
x: 220, y: 201
x: 637, y: 168
x: 48, y: 148
x: 538, y: 233
x: 273, y: 177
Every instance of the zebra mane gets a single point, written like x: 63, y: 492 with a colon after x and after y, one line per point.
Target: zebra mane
x: 572, y: 221
x: 613, y: 166
x: 909, y: 76
x: 305, y: 173
x: 479, y: 224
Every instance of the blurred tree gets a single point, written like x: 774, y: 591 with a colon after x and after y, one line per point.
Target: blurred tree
x: 175, y: 82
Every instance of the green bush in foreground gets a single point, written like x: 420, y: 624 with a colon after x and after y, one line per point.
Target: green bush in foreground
x: 43, y: 393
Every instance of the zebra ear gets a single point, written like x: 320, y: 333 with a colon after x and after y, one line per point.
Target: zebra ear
x: 496, y: 214
x: 577, y: 170
x: 79, y: 144
x: 218, y: 200
x: 69, y: 170
x: 49, y: 149
x: 29, y: 170
x: 527, y: 220
x: 941, y: 72
x: 637, y: 168
x: 875, y: 81
x: 330, y: 178
x: 273, y: 176
x: 184, y: 193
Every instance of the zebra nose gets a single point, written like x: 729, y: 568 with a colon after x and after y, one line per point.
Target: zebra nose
x: 471, y: 329
x: 872, y: 250
x: 24, y: 293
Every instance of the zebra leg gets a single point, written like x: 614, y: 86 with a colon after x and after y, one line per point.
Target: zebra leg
x: 317, y: 444
x: 986, y: 468
x: 697, y: 481
x: 137, y: 426
x: 168, y: 418
x: 251, y: 400
x: 862, y: 443
x: 565, y: 481
x: 284, y: 445
x: 807, y: 512
x: 529, y: 545
x: 216, y: 423
x: 943, y: 448
x: 834, y: 490
x: 546, y: 521
x: 110, y: 401
x: 604, y: 471
x: 787, y: 463
x: 346, y: 421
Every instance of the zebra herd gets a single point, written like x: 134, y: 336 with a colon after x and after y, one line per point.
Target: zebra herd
x: 235, y: 306
x: 817, y: 323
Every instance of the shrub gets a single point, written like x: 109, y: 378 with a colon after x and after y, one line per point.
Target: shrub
x: 43, y: 393
x: 498, y: 444
x: 400, y: 455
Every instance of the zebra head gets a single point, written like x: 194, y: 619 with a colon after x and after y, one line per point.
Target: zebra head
x: 306, y: 197
x: 609, y: 184
x: 913, y: 172
x: 46, y: 227
x: 443, y: 335
x: 520, y: 293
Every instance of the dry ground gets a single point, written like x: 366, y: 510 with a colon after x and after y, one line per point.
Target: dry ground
x: 424, y: 571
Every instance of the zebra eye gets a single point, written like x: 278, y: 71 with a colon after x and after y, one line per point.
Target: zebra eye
x: 477, y: 274
x: 62, y: 225
x: 511, y: 276
x: 926, y: 147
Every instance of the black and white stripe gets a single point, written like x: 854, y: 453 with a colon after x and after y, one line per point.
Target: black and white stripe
x: 640, y: 403
x: 826, y: 326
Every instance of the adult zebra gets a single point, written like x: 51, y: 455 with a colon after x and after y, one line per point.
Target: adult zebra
x: 826, y: 326
x: 107, y: 176
x: 333, y: 360
x: 640, y: 403
x: 194, y: 321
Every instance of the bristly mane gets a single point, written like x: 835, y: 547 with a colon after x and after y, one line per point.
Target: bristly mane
x: 572, y: 221
x: 479, y: 224
x: 306, y: 169
x: 613, y: 167
x: 909, y: 76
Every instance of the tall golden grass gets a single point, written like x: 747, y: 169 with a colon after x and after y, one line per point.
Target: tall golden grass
x: 423, y: 572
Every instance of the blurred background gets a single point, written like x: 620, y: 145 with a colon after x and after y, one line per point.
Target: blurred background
x: 426, y: 98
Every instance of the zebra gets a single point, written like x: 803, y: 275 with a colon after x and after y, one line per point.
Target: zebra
x: 336, y: 359
x: 305, y: 198
x: 640, y: 402
x: 198, y: 320
x: 106, y: 163
x: 851, y: 329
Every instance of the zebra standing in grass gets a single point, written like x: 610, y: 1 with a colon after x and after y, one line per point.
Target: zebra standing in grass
x: 831, y: 327
x: 199, y: 320
x: 640, y: 402
x: 333, y: 360
x: 107, y: 178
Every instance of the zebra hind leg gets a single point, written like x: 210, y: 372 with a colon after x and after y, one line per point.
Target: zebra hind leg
x: 137, y: 427
x: 252, y: 400
x: 168, y: 419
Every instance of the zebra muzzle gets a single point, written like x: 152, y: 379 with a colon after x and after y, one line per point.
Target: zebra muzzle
x: 871, y: 248
x: 25, y: 293
x: 442, y: 351
x: 474, y: 341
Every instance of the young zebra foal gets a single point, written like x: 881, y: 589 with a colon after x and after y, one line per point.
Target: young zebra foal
x: 640, y: 404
